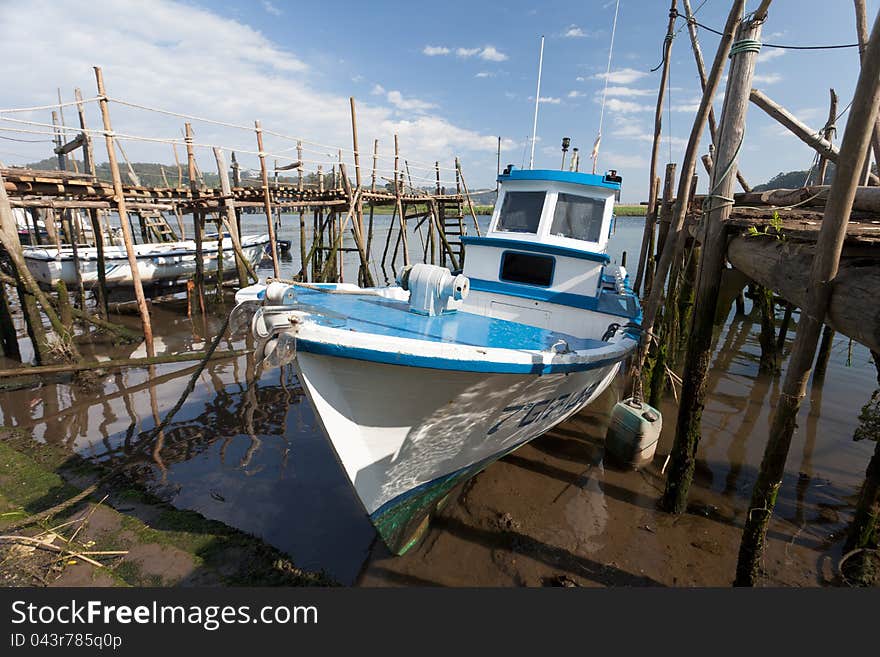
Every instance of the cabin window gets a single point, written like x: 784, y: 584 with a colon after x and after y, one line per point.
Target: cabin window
x: 578, y: 217
x: 521, y: 212
x: 527, y: 268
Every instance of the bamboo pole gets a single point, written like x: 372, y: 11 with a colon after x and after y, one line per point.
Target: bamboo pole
x: 198, y: 219
x: 267, y: 200
x: 229, y: 205
x: 676, y: 242
x: 8, y: 335
x: 693, y: 393
x: 119, y: 198
x: 853, y: 151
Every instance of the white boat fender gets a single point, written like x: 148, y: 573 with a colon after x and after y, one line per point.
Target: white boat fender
x: 432, y: 288
x: 633, y: 433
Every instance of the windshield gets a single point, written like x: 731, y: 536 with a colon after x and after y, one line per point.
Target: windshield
x: 521, y: 212
x: 578, y: 217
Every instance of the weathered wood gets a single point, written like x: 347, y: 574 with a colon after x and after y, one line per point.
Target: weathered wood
x: 121, y: 209
x: 241, y: 263
x: 198, y: 219
x: 674, y: 248
x: 799, y: 129
x: 696, y: 369
x: 784, y: 267
x: 823, y: 274
x: 647, y: 237
x: 866, y: 199
x: 862, y: 31
x: 267, y: 201
x: 828, y: 133
x: 701, y: 72
x: 658, y: 110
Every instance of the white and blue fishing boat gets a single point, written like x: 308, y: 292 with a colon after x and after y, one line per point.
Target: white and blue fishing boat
x: 420, y: 386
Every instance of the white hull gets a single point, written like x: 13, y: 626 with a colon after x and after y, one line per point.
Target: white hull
x: 156, y: 262
x: 396, y: 429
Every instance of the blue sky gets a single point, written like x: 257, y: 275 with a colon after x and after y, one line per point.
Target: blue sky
x: 449, y: 78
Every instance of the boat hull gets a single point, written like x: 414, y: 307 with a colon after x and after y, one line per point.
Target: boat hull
x: 167, y: 261
x: 406, y: 436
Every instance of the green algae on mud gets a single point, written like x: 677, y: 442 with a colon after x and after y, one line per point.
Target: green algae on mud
x: 163, y: 546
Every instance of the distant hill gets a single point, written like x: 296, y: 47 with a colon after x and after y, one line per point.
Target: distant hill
x: 793, y: 179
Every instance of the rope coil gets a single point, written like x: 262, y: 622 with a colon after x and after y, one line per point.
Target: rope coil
x: 744, y: 45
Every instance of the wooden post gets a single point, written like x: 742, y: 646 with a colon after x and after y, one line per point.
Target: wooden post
x: 731, y: 133
x: 467, y: 195
x: 675, y: 244
x: 94, y: 213
x: 701, y: 71
x: 828, y: 133
x: 198, y: 219
x: 853, y: 150
x: 241, y: 262
x: 658, y: 129
x: 400, y: 213
x: 862, y: 31
x: 783, y: 328
x: 267, y: 202
x: 647, y: 236
x: 769, y: 360
x: 666, y: 207
x: 119, y: 199
x: 8, y: 335
x: 303, y: 272
x: 72, y: 237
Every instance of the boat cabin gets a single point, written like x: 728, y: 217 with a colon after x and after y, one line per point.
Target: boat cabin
x: 543, y: 260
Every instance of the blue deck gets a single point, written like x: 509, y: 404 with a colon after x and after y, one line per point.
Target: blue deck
x: 390, y: 318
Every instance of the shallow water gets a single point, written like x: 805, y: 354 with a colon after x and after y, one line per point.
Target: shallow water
x: 246, y: 449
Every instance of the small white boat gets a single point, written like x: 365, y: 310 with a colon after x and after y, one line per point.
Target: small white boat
x: 162, y: 261
x: 422, y: 385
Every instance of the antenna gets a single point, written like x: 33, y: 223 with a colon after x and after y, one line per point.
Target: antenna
x: 595, y: 154
x: 537, y: 101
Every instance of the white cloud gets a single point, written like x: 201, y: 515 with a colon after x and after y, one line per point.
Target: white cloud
x: 622, y: 76
x: 574, y: 93
x: 574, y: 32
x: 769, y: 78
x: 492, y: 54
x: 580, y: 78
x: 433, y: 51
x: 625, y: 106
x: 629, y: 92
x: 377, y: 90
x: 489, y: 53
x: 141, y: 54
x: 772, y: 53
x: 484, y: 74
x: 549, y: 100
x: 408, y: 104
x: 270, y: 8
x: 621, y: 161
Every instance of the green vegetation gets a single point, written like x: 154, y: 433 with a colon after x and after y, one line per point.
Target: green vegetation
x: 164, y: 546
x: 630, y: 210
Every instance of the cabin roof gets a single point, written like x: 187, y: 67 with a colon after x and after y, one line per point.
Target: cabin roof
x: 557, y: 175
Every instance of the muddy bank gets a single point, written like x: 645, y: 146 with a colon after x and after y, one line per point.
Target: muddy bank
x: 557, y: 513
x: 119, y: 536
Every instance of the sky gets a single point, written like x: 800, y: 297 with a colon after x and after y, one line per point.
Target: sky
x: 449, y: 78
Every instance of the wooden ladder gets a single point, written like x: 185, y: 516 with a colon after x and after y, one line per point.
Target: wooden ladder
x: 154, y: 221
